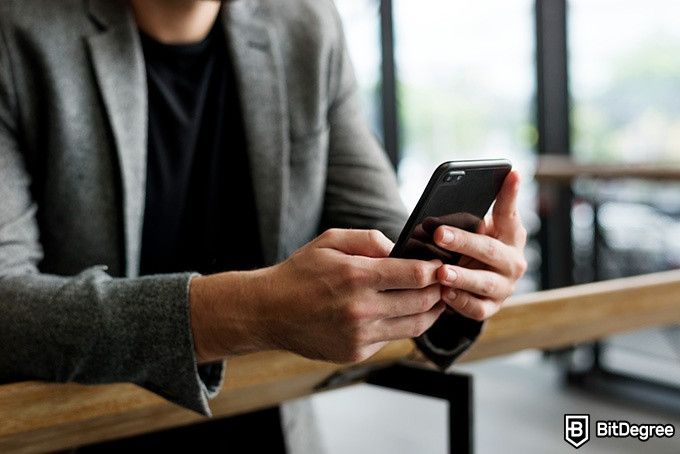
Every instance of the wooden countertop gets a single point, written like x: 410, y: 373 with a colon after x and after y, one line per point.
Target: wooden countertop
x: 563, y: 169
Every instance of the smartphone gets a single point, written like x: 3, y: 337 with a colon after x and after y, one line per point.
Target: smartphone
x: 459, y: 194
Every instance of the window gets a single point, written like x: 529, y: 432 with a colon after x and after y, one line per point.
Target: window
x: 625, y: 74
x: 361, y: 22
x: 466, y: 83
x: 625, y: 70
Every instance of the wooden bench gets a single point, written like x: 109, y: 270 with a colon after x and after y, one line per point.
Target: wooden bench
x: 38, y: 417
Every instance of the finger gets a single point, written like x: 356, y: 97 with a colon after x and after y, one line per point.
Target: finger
x: 485, y: 226
x: 505, y: 214
x: 399, y: 274
x: 402, y: 303
x: 468, y: 304
x: 486, y: 249
x: 368, y: 243
x: 506, y: 201
x: 480, y: 282
x: 372, y: 349
x: 408, y: 327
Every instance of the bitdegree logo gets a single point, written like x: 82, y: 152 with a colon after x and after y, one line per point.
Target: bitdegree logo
x: 577, y: 430
x: 625, y: 429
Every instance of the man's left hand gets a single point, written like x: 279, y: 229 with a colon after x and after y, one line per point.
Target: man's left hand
x: 493, y: 258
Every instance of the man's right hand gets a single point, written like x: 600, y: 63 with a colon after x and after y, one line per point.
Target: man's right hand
x: 339, y: 298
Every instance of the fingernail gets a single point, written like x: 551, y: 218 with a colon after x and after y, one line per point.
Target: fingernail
x: 452, y: 295
x: 450, y: 275
x: 447, y: 236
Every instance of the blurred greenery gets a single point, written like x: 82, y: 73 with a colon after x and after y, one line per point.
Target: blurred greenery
x: 456, y: 115
x: 635, y: 116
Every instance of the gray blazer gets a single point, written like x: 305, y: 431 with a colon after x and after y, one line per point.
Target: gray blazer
x: 73, y: 135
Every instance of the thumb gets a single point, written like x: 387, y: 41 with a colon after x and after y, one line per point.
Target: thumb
x: 367, y: 243
x: 506, y: 220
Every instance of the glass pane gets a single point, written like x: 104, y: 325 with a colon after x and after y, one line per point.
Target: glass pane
x: 361, y: 21
x: 466, y: 88
x: 625, y: 74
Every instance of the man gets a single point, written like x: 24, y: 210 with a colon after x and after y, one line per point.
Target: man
x: 165, y: 166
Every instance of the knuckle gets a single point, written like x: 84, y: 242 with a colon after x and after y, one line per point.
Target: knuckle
x: 359, y: 338
x: 424, y: 302
x: 462, y: 239
x: 477, y: 312
x: 375, y: 277
x: 354, y: 313
x: 375, y: 237
x: 492, y: 250
x: 420, y: 325
x: 523, y: 234
x: 345, y: 272
x: 421, y: 275
x: 351, y: 275
x: 521, y: 268
x: 524, y: 266
x: 352, y: 344
x: 462, y: 301
x: 449, y: 296
x: 356, y: 354
x: 434, y: 295
x: 489, y: 287
x: 329, y: 234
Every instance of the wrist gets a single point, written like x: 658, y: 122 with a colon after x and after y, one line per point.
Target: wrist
x: 224, y: 315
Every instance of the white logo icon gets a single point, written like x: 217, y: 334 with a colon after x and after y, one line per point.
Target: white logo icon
x: 576, y: 430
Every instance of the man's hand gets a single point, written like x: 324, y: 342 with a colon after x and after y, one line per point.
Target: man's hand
x: 339, y: 298
x: 493, y: 258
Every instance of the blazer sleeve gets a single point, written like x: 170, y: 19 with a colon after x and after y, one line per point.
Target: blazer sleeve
x: 89, y: 328
x: 362, y: 192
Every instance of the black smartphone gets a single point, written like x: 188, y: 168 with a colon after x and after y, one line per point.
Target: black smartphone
x: 459, y: 194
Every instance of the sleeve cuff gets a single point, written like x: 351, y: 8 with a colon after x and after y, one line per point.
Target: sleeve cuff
x: 154, y: 319
x: 210, y: 376
x: 450, y: 336
x: 205, y: 380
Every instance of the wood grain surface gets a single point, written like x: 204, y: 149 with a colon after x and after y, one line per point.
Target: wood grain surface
x: 562, y: 170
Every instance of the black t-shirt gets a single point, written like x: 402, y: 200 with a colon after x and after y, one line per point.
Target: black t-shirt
x: 200, y: 212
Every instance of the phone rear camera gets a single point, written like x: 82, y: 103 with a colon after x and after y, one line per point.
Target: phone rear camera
x: 453, y: 177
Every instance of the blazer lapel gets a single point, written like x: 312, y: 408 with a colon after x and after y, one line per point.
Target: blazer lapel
x: 259, y: 74
x: 119, y: 68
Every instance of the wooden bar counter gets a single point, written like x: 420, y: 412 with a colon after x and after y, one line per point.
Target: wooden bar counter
x: 563, y: 169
